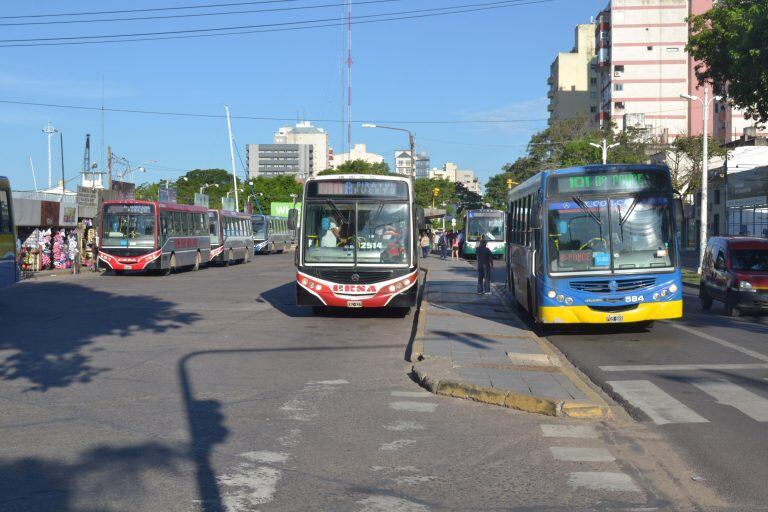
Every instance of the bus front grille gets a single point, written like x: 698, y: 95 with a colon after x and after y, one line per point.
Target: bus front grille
x: 621, y: 285
x: 613, y: 309
x: 363, y: 276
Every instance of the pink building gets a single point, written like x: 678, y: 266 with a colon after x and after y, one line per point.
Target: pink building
x: 644, y: 68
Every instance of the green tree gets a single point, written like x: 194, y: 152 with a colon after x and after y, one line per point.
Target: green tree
x: 730, y: 42
x: 272, y: 189
x: 424, y: 188
x: 684, y: 158
x: 467, y: 199
x: 358, y: 167
x: 147, y: 191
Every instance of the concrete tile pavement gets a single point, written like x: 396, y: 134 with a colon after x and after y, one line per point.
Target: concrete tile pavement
x: 463, y: 339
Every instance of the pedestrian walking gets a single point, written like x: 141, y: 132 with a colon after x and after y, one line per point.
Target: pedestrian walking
x: 424, y: 243
x: 442, y: 244
x: 484, y: 268
x: 454, y: 247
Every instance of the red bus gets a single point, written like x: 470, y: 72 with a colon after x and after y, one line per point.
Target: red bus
x: 147, y: 235
x: 231, y: 236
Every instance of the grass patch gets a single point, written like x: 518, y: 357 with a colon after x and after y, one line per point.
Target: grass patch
x: 690, y: 277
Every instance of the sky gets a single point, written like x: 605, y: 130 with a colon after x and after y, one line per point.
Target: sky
x: 456, y: 69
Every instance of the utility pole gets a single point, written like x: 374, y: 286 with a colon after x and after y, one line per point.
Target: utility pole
x: 604, y: 147
x: 61, y: 143
x: 705, y: 104
x: 109, y: 167
x: 232, y: 156
x: 49, y: 131
x: 413, y: 154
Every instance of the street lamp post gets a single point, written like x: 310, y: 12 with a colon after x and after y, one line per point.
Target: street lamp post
x: 705, y: 104
x: 411, y: 142
x: 208, y: 185
x: 604, y: 147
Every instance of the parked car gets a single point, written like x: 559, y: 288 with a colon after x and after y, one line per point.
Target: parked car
x: 735, y: 272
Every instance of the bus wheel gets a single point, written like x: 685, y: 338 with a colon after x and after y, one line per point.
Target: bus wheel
x: 198, y: 260
x: 247, y: 256
x: 171, y: 266
x: 228, y: 261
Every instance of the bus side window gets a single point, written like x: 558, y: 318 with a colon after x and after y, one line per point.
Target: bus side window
x: 5, y: 213
x: 163, y: 227
x: 528, y: 221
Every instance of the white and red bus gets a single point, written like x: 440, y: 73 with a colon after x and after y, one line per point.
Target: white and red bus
x: 358, y: 243
x: 146, y: 235
x: 231, y: 236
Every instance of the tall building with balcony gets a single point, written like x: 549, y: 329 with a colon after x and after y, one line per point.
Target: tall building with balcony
x: 573, y: 79
x: 420, y: 163
x: 305, y: 133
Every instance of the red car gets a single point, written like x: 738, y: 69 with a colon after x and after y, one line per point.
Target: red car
x: 735, y: 271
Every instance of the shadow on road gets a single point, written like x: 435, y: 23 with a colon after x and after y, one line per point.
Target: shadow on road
x: 48, y: 327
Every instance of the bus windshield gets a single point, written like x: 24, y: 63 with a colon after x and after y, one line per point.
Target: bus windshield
x: 128, y: 225
x: 259, y: 226
x: 600, y: 234
x: 357, y: 232
x: 490, y: 228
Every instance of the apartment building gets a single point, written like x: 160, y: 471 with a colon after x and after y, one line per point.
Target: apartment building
x: 358, y: 152
x: 420, y: 163
x: 305, y: 133
x: 573, y: 79
x: 452, y: 173
x: 271, y: 160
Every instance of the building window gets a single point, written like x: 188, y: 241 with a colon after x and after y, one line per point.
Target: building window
x: 717, y: 196
x: 619, y: 68
x: 593, y: 81
x: 673, y: 50
x: 649, y: 48
x: 593, y: 110
x: 619, y: 105
x: 618, y: 87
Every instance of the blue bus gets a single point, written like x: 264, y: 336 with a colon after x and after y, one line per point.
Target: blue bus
x: 9, y: 269
x: 595, y: 244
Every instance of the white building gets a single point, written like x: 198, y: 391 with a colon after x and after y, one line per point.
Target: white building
x: 305, y: 133
x: 420, y: 163
x: 358, y: 152
x: 452, y: 173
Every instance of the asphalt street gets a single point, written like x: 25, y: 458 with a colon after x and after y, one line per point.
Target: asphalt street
x: 702, y: 382
x: 211, y: 391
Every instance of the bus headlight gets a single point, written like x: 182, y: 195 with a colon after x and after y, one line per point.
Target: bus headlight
x: 560, y: 298
x: 664, y: 292
x: 568, y: 301
x: 319, y: 287
x: 656, y: 296
x: 392, y: 288
x: 551, y: 294
x: 673, y: 288
x: 746, y: 286
x: 304, y: 281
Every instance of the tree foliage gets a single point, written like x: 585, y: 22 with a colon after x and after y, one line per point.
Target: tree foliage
x: 730, y: 42
x: 358, y: 167
x: 424, y: 189
x: 566, y: 143
x: 684, y: 159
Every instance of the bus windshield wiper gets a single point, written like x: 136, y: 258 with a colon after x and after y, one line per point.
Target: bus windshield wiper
x: 579, y: 201
x: 336, y: 210
x: 624, y: 217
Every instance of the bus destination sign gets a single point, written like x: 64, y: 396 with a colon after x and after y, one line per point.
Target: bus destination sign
x: 613, y: 182
x: 140, y: 209
x: 360, y: 188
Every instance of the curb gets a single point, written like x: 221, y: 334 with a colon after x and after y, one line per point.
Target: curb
x: 415, y: 350
x: 437, y: 376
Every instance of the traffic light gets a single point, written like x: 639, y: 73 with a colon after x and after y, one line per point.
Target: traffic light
x: 436, y: 191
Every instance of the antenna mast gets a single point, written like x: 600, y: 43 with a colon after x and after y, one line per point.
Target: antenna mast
x: 349, y: 75
x: 49, y: 131
x: 87, y: 158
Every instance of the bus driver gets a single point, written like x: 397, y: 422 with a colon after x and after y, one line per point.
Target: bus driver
x: 332, y: 234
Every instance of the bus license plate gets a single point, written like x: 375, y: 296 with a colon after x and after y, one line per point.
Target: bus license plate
x: 614, y: 318
x: 354, y: 304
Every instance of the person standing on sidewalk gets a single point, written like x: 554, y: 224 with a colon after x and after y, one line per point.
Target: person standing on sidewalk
x: 424, y: 243
x: 442, y: 244
x: 484, y: 268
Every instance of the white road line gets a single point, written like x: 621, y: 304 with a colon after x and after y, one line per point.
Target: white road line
x: 401, y: 426
x: 570, y: 454
x: 739, y: 348
x: 661, y: 407
x: 266, y: 457
x: 397, y: 469
x: 413, y: 406
x: 412, y: 394
x: 728, y: 393
x: 248, y: 486
x: 602, y: 481
x: 578, y: 431
x: 413, y: 479
x: 395, y: 445
x: 389, y: 504
x: 682, y: 367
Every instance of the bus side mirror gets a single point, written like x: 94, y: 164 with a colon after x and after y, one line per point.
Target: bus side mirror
x: 420, y: 219
x: 679, y: 211
x: 293, y: 214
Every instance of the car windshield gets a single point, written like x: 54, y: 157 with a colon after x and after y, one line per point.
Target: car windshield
x: 641, y: 233
x: 490, y: 228
x: 578, y: 235
x: 750, y: 260
x: 123, y: 227
x: 363, y: 232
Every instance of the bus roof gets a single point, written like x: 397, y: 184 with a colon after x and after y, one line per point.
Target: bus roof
x: 163, y: 206
x: 230, y: 213
x: 377, y: 177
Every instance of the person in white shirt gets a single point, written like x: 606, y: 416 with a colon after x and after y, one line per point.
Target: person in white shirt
x: 332, y: 236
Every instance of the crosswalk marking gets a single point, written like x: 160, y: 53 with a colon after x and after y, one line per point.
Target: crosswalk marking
x: 682, y: 367
x: 739, y: 348
x: 602, y: 481
x: 578, y: 431
x: 728, y: 393
x: 653, y: 401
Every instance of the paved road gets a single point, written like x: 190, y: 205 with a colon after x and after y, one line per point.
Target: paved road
x: 211, y: 391
x: 701, y: 382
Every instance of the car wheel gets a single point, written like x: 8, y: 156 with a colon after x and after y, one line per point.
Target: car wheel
x: 730, y: 309
x: 706, y: 300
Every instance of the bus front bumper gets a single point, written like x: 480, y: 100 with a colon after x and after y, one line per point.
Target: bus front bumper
x: 586, y: 315
x: 398, y: 292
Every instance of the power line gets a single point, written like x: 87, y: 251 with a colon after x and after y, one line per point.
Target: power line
x: 261, y: 118
x: 154, y: 9
x: 191, y: 15
x: 63, y: 41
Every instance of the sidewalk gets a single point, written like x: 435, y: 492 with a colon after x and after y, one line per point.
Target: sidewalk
x: 474, y: 346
